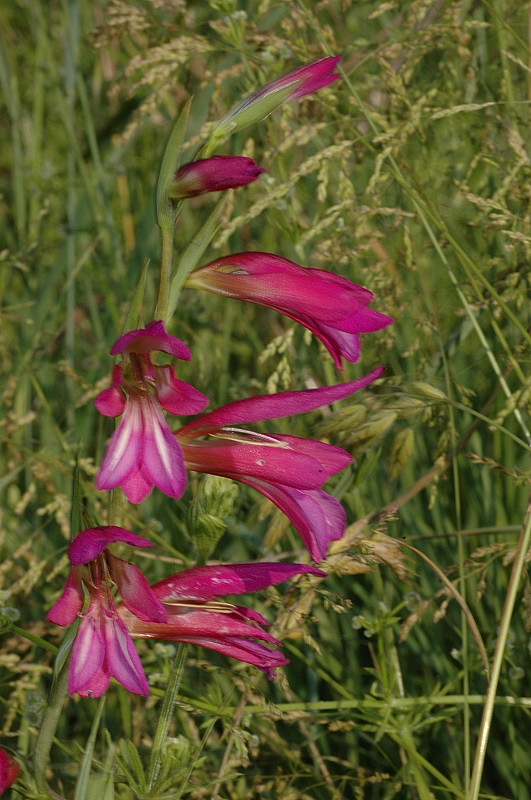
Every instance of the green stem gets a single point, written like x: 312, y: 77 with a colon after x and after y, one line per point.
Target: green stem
x: 167, y: 228
x: 48, y: 728
x: 507, y: 613
x: 417, y: 774
x: 168, y: 702
x: 118, y: 505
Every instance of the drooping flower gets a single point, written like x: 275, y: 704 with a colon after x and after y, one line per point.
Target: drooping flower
x: 298, y: 83
x: 9, y: 770
x: 103, y: 648
x: 289, y: 471
x: 142, y: 452
x: 195, y: 615
x: 214, y: 174
x: 332, y: 307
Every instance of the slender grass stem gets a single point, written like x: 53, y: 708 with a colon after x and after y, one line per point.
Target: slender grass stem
x: 499, y: 655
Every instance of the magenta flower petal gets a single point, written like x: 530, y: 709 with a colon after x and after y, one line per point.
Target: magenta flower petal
x: 66, y: 609
x: 271, y: 406
x: 317, y: 516
x: 9, y: 770
x: 137, y: 487
x: 111, y: 402
x: 104, y: 649
x: 162, y: 458
x: 125, y: 449
x: 152, y: 337
x: 122, y: 659
x: 87, y: 658
x: 332, y: 459
x: 291, y: 466
x: 176, y: 396
x: 249, y: 652
x: 206, y: 583
x: 90, y: 543
x: 214, y: 174
x: 135, y: 591
x: 143, y: 453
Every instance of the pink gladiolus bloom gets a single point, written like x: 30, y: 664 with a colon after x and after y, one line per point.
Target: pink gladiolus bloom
x: 142, y: 452
x: 9, y: 770
x: 103, y: 647
x: 196, y: 617
x: 333, y: 308
x: 289, y: 471
x: 214, y: 174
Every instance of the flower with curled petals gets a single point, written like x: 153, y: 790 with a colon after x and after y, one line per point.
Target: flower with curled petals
x: 142, y: 452
x: 196, y: 616
x: 103, y: 648
x: 288, y: 470
x: 333, y: 308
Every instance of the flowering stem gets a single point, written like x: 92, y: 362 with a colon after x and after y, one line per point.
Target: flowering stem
x: 174, y: 681
x: 48, y: 727
x: 117, y: 508
x: 167, y: 229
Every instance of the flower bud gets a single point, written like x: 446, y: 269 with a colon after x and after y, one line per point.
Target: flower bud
x: 296, y: 84
x: 214, y: 174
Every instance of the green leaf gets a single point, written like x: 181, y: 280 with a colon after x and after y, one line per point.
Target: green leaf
x: 135, y: 309
x: 170, y: 163
x: 192, y: 254
x: 76, y: 522
x: 84, y: 777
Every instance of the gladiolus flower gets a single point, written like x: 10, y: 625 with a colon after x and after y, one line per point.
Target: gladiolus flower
x: 296, y: 84
x: 142, y: 452
x: 103, y: 647
x: 333, y: 308
x: 196, y: 617
x: 304, y: 80
x: 214, y: 174
x: 9, y: 770
x: 289, y: 471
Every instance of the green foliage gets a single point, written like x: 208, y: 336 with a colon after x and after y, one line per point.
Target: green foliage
x: 412, y: 177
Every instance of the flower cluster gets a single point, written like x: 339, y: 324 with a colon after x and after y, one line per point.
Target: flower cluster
x: 108, y: 597
x: 181, y: 608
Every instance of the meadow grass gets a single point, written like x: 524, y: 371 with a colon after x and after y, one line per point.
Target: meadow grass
x: 409, y: 673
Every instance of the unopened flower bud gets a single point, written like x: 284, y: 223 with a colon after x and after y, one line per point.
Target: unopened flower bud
x: 214, y: 174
